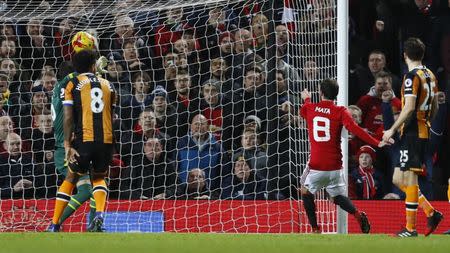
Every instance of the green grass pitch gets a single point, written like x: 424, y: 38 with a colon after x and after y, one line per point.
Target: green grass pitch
x: 216, y: 243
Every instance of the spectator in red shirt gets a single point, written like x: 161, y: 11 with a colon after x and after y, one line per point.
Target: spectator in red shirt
x: 370, y: 104
x: 170, y: 31
x: 63, y: 36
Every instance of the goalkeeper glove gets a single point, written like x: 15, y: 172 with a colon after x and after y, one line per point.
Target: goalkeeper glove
x: 101, y: 63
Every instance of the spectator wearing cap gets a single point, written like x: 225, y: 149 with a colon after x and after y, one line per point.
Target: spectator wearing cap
x: 133, y: 105
x: 37, y: 50
x: 215, y: 107
x: 185, y: 101
x: 118, y: 76
x: 252, y: 123
x: 246, y: 184
x: 165, y: 114
x: 366, y: 180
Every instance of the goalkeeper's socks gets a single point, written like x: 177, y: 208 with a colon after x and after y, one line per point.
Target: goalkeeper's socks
x: 425, y: 205
x: 62, y: 199
x: 84, y: 192
x: 411, y: 203
x: 99, y: 191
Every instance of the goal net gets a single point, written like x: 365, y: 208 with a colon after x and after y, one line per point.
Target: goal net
x: 208, y: 137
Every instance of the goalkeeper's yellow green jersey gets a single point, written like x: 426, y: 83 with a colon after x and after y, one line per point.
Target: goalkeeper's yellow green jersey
x: 58, y: 109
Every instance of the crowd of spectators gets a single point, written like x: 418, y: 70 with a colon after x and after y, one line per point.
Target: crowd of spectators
x: 193, y: 111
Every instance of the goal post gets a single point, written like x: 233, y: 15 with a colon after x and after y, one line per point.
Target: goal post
x: 342, y: 77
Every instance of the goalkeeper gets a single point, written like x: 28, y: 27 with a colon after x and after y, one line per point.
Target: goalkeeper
x: 84, y: 187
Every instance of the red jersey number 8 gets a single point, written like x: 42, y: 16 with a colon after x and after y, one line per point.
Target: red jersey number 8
x: 321, y: 129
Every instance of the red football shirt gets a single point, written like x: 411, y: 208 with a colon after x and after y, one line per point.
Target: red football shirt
x: 372, y: 115
x: 325, y: 121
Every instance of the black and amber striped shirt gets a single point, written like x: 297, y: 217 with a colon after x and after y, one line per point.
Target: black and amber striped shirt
x: 420, y: 83
x: 92, y: 99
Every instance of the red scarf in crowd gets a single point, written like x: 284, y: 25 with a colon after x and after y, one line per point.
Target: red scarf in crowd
x: 369, y: 190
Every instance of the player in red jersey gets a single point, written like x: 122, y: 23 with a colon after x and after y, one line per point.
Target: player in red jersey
x: 325, y: 121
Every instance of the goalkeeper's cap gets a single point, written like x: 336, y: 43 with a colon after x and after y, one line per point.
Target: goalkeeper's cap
x: 159, y: 91
x: 255, y: 119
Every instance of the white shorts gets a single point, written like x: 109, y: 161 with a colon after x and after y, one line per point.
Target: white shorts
x: 333, y: 181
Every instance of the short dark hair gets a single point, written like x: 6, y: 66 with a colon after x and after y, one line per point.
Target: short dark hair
x: 383, y: 74
x: 329, y: 88
x: 414, y: 49
x: 377, y: 51
x: 282, y: 72
x: 182, y: 72
x: 142, y: 74
x: 83, y: 60
x: 64, y: 69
